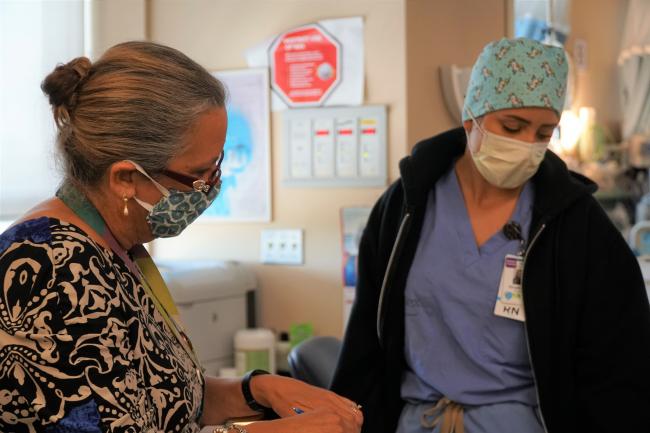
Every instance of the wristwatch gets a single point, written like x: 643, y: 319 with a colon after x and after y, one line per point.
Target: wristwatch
x: 248, y: 395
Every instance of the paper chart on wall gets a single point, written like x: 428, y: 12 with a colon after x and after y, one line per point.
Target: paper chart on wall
x: 246, y: 186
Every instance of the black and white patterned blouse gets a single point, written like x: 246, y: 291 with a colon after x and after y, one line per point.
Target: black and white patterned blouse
x: 82, y: 347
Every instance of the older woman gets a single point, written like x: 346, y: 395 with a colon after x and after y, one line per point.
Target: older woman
x: 494, y: 294
x: 88, y: 336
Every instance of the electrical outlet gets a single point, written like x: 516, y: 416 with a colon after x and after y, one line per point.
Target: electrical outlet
x: 282, y: 247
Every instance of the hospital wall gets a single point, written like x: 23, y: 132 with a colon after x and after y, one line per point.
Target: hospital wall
x: 216, y: 33
x: 405, y: 43
x: 441, y: 33
x: 600, y: 24
x: 453, y: 32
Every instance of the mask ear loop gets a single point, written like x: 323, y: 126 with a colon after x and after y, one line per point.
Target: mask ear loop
x: 164, y: 191
x: 474, y: 121
x: 478, y: 126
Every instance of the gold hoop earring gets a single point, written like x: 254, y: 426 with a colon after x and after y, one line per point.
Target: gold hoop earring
x: 126, y: 206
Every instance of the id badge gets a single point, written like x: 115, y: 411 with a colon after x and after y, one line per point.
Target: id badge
x: 510, y: 302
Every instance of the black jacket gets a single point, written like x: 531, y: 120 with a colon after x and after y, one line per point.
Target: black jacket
x: 587, y: 312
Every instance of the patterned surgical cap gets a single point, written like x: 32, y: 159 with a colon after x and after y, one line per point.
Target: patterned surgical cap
x: 516, y: 73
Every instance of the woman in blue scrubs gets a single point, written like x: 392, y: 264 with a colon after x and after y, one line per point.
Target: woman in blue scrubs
x: 494, y: 294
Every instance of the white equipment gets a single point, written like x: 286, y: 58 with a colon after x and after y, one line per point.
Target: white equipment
x: 215, y: 299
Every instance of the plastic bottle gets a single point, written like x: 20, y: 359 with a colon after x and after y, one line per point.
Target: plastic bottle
x: 229, y: 372
x: 254, y: 349
x: 282, y: 349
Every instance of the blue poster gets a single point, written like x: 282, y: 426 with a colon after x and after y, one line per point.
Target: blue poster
x: 245, y: 190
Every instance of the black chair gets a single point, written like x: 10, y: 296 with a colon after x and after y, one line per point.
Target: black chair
x: 314, y: 360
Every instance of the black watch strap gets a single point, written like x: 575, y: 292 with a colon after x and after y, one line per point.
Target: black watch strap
x: 248, y: 395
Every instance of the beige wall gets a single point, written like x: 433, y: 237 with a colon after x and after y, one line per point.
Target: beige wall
x: 216, y: 34
x: 443, y: 32
x: 405, y: 42
x: 439, y: 33
x: 600, y: 24
x: 114, y: 21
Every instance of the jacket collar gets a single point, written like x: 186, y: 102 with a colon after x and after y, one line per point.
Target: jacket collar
x: 556, y: 186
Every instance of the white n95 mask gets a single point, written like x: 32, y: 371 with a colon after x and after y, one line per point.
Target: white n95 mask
x: 505, y: 162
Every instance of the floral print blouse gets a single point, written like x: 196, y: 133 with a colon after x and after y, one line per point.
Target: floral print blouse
x: 82, y: 346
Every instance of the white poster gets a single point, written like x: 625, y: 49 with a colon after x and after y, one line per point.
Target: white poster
x: 314, y: 65
x: 246, y: 182
x: 353, y: 222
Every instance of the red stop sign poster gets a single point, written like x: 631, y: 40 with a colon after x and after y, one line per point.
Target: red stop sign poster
x: 305, y: 65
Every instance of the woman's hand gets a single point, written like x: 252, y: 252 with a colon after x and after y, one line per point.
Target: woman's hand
x: 315, y: 421
x: 289, y: 397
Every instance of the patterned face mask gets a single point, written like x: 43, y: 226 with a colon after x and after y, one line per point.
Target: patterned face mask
x: 176, y: 209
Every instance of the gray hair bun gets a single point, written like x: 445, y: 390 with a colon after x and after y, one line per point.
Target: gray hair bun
x: 61, y: 87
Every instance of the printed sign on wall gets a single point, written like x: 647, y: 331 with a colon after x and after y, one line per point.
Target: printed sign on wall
x: 305, y: 65
x: 314, y: 65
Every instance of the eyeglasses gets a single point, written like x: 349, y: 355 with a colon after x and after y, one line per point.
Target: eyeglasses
x: 199, y: 185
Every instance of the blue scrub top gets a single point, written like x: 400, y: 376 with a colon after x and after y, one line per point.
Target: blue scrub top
x: 454, y: 344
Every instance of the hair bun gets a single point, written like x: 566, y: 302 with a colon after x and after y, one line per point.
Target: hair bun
x: 61, y: 84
